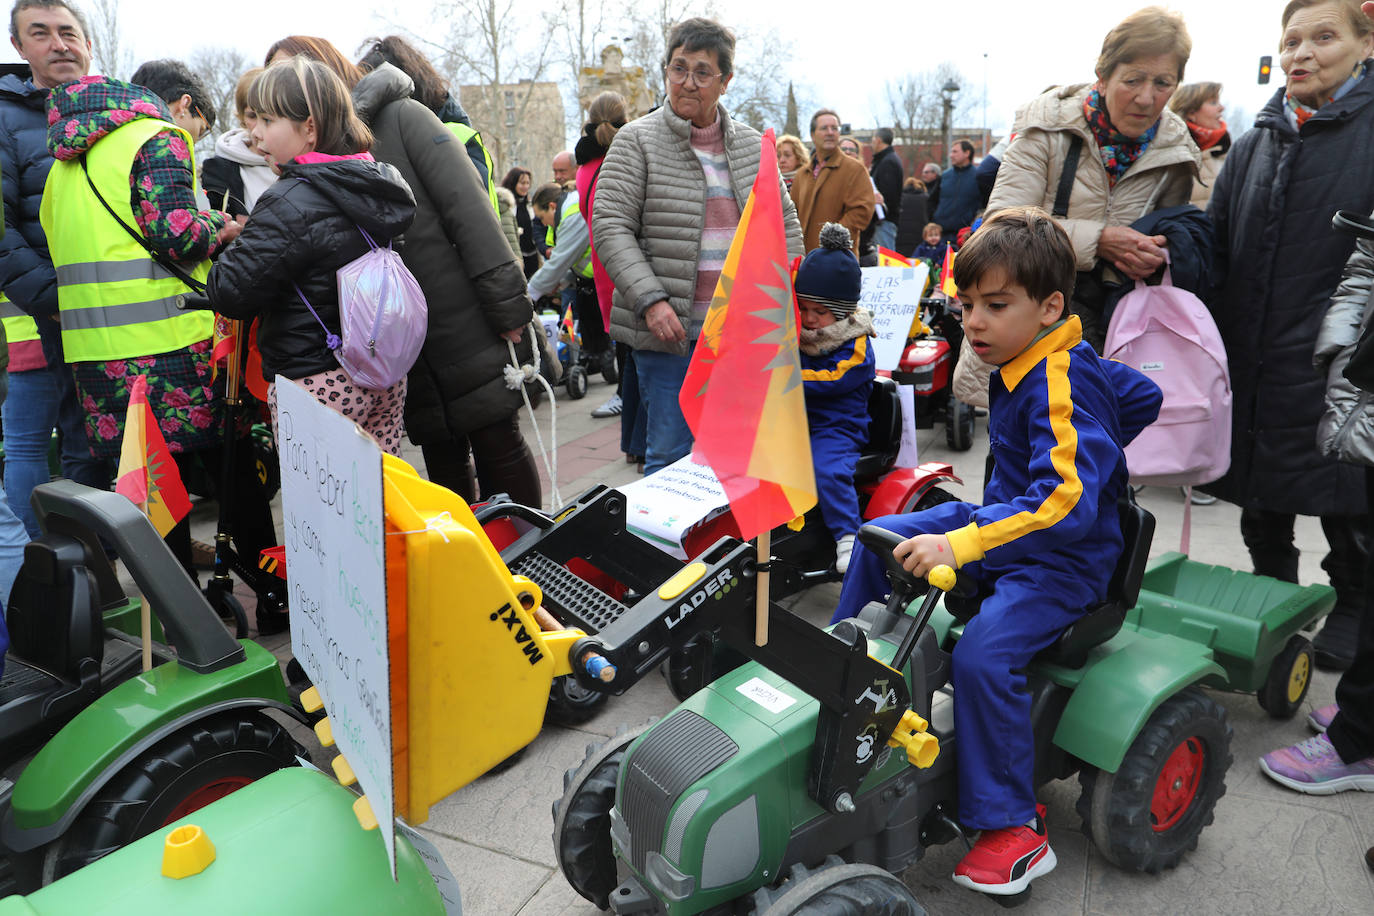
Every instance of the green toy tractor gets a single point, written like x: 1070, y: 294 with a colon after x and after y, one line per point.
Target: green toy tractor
x: 95, y: 752
x: 806, y: 779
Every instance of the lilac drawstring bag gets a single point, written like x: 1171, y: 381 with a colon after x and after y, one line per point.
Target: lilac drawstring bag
x: 382, y: 314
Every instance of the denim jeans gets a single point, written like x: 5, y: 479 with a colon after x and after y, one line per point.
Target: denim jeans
x: 30, y: 415
x: 77, y: 461
x: 660, y: 381
x: 886, y: 234
x: 13, y: 537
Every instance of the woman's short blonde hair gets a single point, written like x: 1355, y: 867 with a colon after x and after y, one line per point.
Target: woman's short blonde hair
x: 1145, y: 33
x: 798, y: 147
x: 1188, y: 99
x: 1354, y: 16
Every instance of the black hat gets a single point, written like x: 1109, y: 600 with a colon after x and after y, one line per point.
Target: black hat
x: 830, y: 274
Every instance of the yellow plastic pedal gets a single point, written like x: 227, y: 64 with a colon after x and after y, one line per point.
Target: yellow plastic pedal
x: 311, y: 701
x: 324, y: 732
x: 910, y: 733
x: 343, y: 772
x: 362, y: 810
x: 683, y: 580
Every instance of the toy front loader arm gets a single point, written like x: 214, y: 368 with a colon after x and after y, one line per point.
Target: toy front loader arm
x: 862, y: 700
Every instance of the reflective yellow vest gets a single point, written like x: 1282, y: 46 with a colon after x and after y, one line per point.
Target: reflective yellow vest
x: 19, y: 327
x: 571, y: 207
x: 471, y: 139
x: 115, y: 301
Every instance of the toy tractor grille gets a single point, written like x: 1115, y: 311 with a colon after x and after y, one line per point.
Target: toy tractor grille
x: 569, y: 595
x: 673, y: 756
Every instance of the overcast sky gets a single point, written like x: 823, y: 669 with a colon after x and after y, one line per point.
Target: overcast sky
x: 1008, y: 50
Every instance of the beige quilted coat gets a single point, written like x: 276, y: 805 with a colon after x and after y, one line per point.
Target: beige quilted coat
x: 1029, y: 176
x: 649, y: 213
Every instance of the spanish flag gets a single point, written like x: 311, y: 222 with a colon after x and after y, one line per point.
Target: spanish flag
x: 947, y: 274
x: 147, y: 474
x: 226, y: 340
x: 742, y: 396
x: 889, y: 258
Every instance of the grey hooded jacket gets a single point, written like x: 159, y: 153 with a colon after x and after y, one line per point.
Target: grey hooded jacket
x: 650, y: 210
x: 1346, y: 430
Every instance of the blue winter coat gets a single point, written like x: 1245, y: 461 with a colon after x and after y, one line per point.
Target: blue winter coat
x: 1277, y: 264
x: 959, y: 199
x: 837, y: 385
x: 26, y: 272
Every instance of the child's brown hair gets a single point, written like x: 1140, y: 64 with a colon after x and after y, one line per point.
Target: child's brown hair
x: 301, y: 88
x: 929, y: 226
x: 1028, y: 246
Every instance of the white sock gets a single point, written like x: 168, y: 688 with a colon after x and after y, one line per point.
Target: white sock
x: 843, y: 548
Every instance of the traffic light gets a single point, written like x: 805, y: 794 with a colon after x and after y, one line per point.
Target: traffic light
x: 1266, y: 67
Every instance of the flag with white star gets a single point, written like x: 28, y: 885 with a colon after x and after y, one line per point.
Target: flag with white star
x: 742, y: 397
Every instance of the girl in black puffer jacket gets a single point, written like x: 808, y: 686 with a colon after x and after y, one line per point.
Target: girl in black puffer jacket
x: 302, y: 231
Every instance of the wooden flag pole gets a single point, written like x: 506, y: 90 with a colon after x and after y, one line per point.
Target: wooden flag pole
x: 146, y: 628
x: 761, y: 613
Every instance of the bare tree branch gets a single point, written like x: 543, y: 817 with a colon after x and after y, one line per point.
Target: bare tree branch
x: 111, y: 58
x: 220, y: 69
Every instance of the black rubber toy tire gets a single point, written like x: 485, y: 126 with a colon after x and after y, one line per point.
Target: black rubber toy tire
x: 959, y: 425
x: 576, y: 382
x: 928, y: 500
x: 1117, y: 805
x: 572, y: 704
x: 229, y: 608
x: 582, y: 819
x: 840, y: 889
x: 140, y: 797
x: 1273, y: 693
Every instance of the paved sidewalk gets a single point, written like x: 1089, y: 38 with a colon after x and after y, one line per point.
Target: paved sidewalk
x: 1269, y: 851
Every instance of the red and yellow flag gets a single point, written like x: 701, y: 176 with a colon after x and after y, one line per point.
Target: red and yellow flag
x: 568, y: 322
x: 742, y: 396
x: 147, y: 474
x: 889, y: 258
x: 225, y: 340
x: 947, y: 285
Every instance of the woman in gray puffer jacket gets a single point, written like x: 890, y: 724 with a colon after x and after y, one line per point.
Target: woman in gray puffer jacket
x: 1346, y: 430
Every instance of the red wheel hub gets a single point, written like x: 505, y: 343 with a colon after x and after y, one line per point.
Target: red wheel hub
x: 210, y: 792
x: 1177, y: 784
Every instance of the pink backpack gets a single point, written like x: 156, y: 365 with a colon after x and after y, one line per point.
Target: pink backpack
x: 1167, y: 334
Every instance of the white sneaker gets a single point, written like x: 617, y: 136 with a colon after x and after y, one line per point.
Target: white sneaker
x: 611, y: 408
x: 843, y: 548
x: 1198, y: 497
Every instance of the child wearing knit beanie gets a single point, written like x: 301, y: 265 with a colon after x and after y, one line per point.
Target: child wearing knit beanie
x: 837, y: 376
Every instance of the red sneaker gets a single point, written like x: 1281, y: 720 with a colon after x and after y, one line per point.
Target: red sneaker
x: 1006, y: 861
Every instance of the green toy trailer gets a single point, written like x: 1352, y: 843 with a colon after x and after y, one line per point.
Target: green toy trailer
x: 291, y: 835
x: 1251, y: 623
x: 121, y: 752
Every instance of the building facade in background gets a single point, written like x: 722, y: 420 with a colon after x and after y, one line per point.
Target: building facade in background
x: 521, y: 124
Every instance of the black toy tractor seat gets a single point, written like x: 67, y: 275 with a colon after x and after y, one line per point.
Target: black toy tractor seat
x: 884, y: 431
x: 1103, y: 620
x: 57, y: 636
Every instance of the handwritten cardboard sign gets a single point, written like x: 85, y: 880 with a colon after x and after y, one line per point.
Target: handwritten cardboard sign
x: 892, y: 295
x: 331, y: 484
x: 662, y: 507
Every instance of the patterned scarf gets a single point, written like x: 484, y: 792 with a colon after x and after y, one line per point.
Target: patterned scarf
x: 1118, y: 151
x: 1207, y: 137
x: 1298, y: 113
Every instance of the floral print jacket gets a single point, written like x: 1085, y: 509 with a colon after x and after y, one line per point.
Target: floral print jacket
x: 161, y: 182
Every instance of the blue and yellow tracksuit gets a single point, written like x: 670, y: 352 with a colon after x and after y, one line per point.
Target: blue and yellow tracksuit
x: 837, y: 385
x: 1044, y: 543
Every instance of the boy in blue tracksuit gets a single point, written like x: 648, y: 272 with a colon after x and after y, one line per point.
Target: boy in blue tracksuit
x: 837, y: 376
x: 1047, y: 537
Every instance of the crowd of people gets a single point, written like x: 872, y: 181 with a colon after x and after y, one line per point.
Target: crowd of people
x: 1100, y: 184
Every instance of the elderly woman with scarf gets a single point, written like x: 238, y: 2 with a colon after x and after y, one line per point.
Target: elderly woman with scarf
x: 1130, y: 156
x: 1278, y: 262
x: 1199, y: 105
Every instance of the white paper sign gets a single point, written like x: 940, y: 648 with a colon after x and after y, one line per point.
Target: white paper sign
x: 443, y: 878
x: 550, y: 325
x: 766, y: 695
x: 892, y: 295
x: 662, y: 507
x: 906, y: 455
x: 331, y: 484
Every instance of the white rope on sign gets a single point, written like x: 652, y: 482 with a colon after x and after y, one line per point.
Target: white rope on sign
x: 516, y: 377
